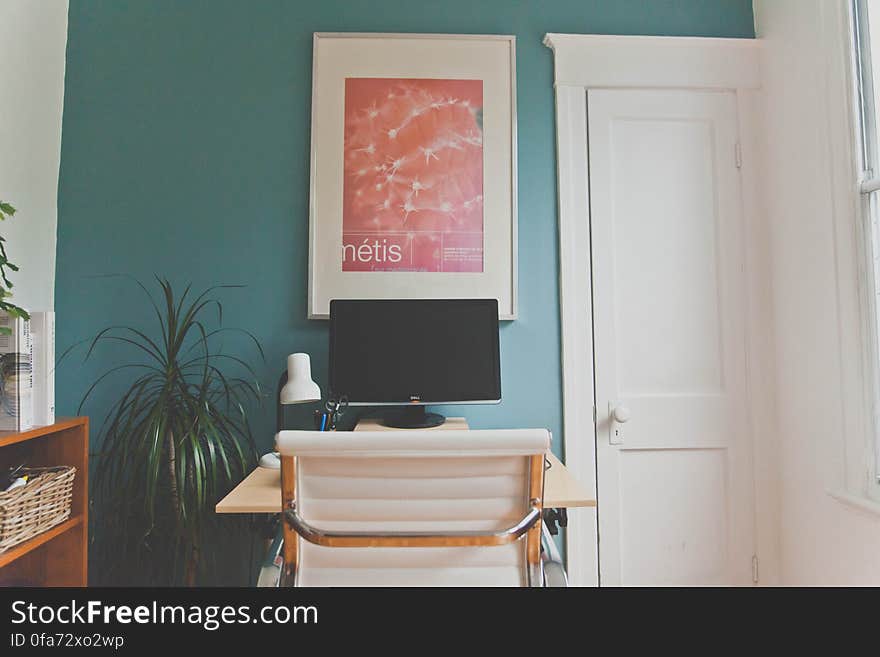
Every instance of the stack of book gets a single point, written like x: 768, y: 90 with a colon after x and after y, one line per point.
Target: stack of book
x: 27, y: 371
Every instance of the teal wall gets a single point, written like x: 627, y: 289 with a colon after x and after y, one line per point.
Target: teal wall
x: 185, y: 153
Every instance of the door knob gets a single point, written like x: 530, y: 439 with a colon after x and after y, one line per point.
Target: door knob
x: 618, y: 414
x: 621, y: 414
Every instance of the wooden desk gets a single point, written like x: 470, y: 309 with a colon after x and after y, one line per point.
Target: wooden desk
x: 260, y: 491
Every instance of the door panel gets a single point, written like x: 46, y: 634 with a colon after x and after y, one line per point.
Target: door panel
x: 664, y: 258
x: 674, y: 478
x: 681, y: 516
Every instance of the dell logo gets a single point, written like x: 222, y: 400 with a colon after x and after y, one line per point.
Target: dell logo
x: 415, y: 398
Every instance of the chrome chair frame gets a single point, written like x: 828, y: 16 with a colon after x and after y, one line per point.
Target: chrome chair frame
x: 319, y: 536
x: 551, y: 570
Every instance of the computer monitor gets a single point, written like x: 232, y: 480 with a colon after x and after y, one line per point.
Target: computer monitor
x: 415, y: 352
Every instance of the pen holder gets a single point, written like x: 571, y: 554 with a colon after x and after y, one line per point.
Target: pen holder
x: 323, y: 421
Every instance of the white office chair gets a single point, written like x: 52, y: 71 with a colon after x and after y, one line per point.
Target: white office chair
x: 412, y: 508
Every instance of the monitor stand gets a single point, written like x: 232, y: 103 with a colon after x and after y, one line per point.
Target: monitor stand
x: 413, y: 417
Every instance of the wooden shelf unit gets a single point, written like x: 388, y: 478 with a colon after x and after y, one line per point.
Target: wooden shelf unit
x: 59, y: 556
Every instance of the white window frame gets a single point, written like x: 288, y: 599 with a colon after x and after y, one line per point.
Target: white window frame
x: 865, y: 480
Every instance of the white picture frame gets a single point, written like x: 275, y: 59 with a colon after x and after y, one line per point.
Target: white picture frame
x: 418, y: 58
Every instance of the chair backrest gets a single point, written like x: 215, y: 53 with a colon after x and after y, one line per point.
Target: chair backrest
x: 405, y: 481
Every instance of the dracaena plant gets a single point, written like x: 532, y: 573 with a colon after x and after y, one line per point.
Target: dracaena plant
x: 175, y: 439
x: 6, y: 210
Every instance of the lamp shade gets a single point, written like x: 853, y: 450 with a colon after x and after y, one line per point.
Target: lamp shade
x: 299, y: 387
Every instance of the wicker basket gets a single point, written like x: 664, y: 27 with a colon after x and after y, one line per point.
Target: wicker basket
x: 37, y: 506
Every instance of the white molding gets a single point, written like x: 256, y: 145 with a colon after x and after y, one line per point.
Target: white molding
x: 854, y: 501
x: 582, y: 62
x: 576, y: 319
x: 760, y: 345
x: 592, y: 60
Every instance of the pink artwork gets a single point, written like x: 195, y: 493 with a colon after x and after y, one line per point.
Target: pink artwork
x: 413, y: 175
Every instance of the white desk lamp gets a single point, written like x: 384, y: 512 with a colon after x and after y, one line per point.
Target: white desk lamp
x: 294, y: 387
x: 299, y: 387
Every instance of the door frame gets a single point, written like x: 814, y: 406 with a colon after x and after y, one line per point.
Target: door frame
x: 588, y: 61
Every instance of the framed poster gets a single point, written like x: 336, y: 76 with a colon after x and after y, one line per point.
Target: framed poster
x: 413, y: 169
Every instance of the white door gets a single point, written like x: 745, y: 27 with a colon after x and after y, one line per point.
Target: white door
x: 674, y: 471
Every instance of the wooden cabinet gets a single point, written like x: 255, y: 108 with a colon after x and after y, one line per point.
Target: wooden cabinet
x: 59, y: 556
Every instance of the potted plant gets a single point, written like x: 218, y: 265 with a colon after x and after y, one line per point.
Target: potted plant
x: 176, y: 437
x: 6, y: 210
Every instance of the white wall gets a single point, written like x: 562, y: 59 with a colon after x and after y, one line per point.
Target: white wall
x: 32, y: 52
x: 809, y: 192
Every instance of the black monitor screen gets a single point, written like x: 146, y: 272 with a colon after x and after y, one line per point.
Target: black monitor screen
x: 405, y: 351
